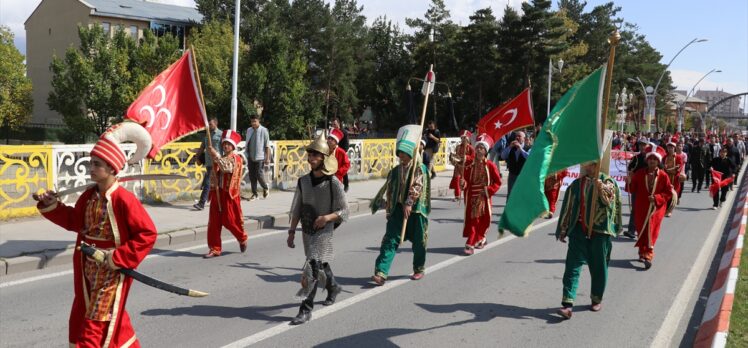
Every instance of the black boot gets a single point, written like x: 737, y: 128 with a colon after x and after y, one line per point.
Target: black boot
x: 305, y: 310
x: 332, y: 287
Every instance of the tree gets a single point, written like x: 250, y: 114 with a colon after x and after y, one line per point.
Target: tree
x: 479, y: 59
x: 16, y: 102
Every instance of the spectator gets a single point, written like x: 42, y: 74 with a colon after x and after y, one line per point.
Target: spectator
x: 515, y: 155
x: 258, y: 155
x: 215, y: 138
x: 433, y: 140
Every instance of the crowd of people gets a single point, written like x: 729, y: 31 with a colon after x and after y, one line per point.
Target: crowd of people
x: 111, y: 218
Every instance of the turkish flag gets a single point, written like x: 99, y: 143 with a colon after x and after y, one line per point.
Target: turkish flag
x: 169, y: 107
x: 514, y: 114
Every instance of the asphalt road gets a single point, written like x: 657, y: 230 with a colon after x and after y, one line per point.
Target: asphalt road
x: 504, y: 296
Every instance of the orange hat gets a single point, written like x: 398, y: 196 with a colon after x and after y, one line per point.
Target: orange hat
x: 108, y: 149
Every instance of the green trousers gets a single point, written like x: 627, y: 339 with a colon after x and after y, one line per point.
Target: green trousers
x: 416, y: 232
x: 595, y: 252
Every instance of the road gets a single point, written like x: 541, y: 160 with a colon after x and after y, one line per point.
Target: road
x: 505, y: 295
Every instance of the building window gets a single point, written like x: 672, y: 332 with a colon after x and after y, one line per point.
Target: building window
x: 134, y: 31
x: 161, y: 29
x: 107, y: 27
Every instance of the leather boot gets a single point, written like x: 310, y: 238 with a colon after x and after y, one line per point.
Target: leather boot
x: 332, y: 287
x: 305, y: 310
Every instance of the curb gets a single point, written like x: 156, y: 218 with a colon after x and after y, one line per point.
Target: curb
x: 716, y: 321
x: 49, y: 258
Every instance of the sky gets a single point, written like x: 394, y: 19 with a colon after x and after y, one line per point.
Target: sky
x: 667, y: 24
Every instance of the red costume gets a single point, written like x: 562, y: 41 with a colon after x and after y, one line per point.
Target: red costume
x: 115, y: 222
x: 344, y: 164
x: 225, y: 206
x: 552, y: 186
x: 482, y: 181
x: 674, y: 167
x: 648, y: 217
x: 463, y: 154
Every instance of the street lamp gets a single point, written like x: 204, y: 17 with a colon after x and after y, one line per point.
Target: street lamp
x: 688, y: 95
x: 650, y: 92
x: 551, y: 69
x: 235, y: 72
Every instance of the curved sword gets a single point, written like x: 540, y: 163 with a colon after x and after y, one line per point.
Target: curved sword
x: 99, y: 256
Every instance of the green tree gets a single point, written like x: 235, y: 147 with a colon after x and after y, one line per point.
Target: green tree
x: 16, y: 102
x: 479, y: 59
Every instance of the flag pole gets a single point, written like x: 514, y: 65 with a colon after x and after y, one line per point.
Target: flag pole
x: 200, y: 90
x: 414, y: 159
x: 614, y: 38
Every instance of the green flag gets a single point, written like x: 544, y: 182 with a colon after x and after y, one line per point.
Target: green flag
x: 570, y: 136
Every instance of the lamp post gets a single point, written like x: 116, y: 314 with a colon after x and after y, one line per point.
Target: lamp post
x: 551, y: 69
x: 622, y: 101
x: 681, y: 104
x: 651, y: 92
x: 235, y: 74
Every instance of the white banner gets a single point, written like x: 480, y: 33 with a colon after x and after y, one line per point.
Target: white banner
x: 618, y: 166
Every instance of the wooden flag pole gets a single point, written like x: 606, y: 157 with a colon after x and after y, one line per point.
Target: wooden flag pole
x: 200, y: 90
x: 614, y: 39
x: 415, y: 158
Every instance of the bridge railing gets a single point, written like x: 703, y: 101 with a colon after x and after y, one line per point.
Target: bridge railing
x: 29, y: 169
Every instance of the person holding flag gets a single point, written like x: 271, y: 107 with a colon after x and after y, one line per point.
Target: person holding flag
x: 481, y: 182
x: 588, y: 244
x: 225, y: 185
x: 652, y: 188
x: 409, y: 204
x: 462, y: 154
x: 722, y: 173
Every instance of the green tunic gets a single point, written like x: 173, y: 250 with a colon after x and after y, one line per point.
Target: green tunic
x: 595, y: 250
x: 397, y: 195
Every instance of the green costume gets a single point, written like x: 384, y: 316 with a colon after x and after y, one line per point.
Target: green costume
x: 595, y: 250
x: 397, y: 195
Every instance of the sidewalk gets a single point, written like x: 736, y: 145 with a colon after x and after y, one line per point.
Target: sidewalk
x: 36, y: 243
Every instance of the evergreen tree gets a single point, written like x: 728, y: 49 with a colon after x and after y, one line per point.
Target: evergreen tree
x: 16, y: 102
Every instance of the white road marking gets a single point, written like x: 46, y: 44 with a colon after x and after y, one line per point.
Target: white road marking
x: 281, y: 328
x: 732, y: 279
x: 700, y: 265
x: 160, y: 254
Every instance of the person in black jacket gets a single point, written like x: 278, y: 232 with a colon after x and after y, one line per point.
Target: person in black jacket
x: 699, y: 159
x: 725, y: 166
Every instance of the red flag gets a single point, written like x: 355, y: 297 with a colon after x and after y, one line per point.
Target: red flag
x: 428, y: 83
x: 169, y: 107
x: 514, y: 114
x: 717, y: 182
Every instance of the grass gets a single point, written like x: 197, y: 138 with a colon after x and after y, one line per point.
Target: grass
x: 738, y: 336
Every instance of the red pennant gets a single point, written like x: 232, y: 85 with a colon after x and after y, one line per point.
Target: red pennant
x: 169, y: 107
x: 514, y: 114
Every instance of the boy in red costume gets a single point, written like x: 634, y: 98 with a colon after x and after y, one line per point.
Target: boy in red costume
x: 463, y: 153
x: 344, y: 164
x: 552, y: 186
x: 674, y: 167
x: 225, y: 207
x: 481, y: 182
x: 113, y: 219
x: 652, y: 191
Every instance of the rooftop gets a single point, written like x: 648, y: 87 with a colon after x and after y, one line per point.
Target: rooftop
x: 141, y: 9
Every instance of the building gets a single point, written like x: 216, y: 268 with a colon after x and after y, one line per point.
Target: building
x: 693, y: 104
x: 729, y: 107
x: 53, y: 27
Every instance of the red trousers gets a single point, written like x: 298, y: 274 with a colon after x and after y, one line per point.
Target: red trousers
x: 92, y: 333
x: 475, y: 229
x: 552, y: 196
x: 224, y: 212
x: 455, y: 184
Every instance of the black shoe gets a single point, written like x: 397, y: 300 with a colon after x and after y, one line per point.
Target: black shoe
x: 198, y: 206
x: 332, y: 294
x: 647, y: 264
x: 301, y: 318
x: 629, y: 234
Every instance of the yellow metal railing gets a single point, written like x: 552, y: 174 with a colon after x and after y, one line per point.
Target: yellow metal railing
x: 24, y: 170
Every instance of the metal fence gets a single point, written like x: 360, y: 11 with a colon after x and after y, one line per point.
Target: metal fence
x: 29, y: 169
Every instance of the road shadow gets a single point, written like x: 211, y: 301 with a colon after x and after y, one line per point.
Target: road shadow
x: 259, y: 313
x: 626, y: 264
x: 457, y: 221
x: 379, y: 338
x: 485, y: 312
x: 272, y: 275
x: 174, y: 253
x: 447, y: 250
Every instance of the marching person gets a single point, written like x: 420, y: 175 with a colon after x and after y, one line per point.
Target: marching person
x: 652, y: 191
x: 112, y: 218
x: 481, y: 182
x: 589, y: 245
x: 552, y: 186
x: 699, y: 157
x: 215, y: 137
x: 337, y: 152
x: 320, y: 205
x: 674, y: 168
x: 638, y: 162
x: 404, y: 203
x: 226, y: 207
x: 463, y: 153
x: 726, y: 167
x: 344, y: 143
x: 258, y: 155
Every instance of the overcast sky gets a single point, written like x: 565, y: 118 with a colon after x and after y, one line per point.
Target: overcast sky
x: 668, y: 26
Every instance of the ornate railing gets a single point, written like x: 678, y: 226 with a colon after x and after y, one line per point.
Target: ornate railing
x: 28, y: 169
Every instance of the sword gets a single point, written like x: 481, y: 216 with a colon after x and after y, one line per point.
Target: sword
x: 99, y: 256
x: 122, y: 179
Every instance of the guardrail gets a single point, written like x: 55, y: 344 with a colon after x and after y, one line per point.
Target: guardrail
x: 29, y: 169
